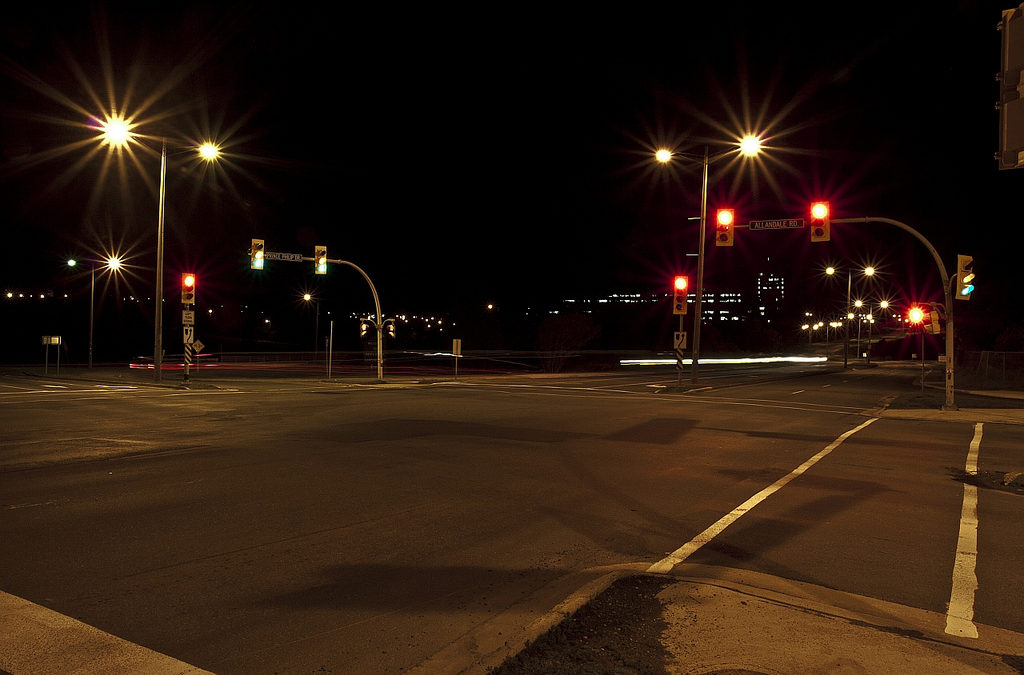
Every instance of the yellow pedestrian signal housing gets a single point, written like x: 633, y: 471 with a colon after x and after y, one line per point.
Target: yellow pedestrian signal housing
x: 821, y: 220
x: 723, y: 227
x: 680, y: 289
x: 256, y: 254
x: 188, y: 288
x: 320, y: 259
x: 964, y: 277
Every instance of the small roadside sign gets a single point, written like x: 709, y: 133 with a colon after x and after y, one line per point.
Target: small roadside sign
x: 189, y: 334
x: 457, y: 347
x: 198, y: 346
x: 188, y: 317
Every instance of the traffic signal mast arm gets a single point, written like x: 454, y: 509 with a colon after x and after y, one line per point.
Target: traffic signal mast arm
x: 946, y: 287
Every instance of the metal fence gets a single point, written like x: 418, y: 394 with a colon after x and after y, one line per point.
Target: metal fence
x: 991, y: 365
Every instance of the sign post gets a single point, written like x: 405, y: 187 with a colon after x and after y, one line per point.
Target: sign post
x: 47, y: 341
x: 188, y: 321
x: 456, y: 353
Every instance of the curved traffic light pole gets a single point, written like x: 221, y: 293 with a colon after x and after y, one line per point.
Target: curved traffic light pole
x: 947, y: 290
x: 379, y: 323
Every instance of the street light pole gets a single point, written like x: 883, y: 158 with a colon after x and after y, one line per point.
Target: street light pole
x: 748, y: 146
x: 846, y: 343
x: 158, y: 321
x: 92, y: 296
x: 700, y: 271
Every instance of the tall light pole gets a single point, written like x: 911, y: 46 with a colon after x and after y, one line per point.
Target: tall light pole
x: 748, y: 146
x: 158, y: 319
x: 117, y: 133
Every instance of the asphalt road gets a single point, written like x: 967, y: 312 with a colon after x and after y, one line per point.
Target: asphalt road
x: 303, y: 526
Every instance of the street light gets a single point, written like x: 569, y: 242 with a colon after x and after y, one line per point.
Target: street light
x: 869, y: 271
x: 112, y: 263
x: 117, y: 134
x: 882, y: 305
x: 748, y: 146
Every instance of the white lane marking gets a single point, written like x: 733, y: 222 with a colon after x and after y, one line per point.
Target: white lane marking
x: 960, y: 611
x: 798, y: 391
x: 666, y: 564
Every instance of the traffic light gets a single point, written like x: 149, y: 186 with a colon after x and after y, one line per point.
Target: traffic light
x: 256, y: 254
x: 389, y: 327
x: 364, y: 328
x: 679, y: 293
x: 723, y: 227
x: 188, y: 288
x: 320, y: 259
x: 821, y: 220
x: 964, y: 277
x: 1011, y: 90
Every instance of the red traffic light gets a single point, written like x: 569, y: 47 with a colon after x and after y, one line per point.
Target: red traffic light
x: 821, y: 219
x: 915, y: 315
x: 188, y: 288
x: 679, y: 287
x: 723, y: 227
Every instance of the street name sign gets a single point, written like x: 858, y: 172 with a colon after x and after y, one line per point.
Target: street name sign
x: 272, y: 255
x: 776, y: 224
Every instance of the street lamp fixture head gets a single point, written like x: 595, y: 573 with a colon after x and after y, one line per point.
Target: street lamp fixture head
x: 830, y: 270
x: 869, y: 271
x: 117, y: 131
x: 663, y: 156
x: 307, y: 297
x: 750, y: 145
x: 72, y: 262
x: 113, y: 262
x: 858, y: 303
x: 209, y: 151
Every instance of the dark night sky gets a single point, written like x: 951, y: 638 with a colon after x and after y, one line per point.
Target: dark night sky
x: 503, y: 153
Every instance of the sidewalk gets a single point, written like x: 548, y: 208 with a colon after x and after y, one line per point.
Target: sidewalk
x: 705, y: 619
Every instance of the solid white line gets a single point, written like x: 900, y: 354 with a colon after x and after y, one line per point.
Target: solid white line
x: 666, y: 564
x: 960, y: 612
